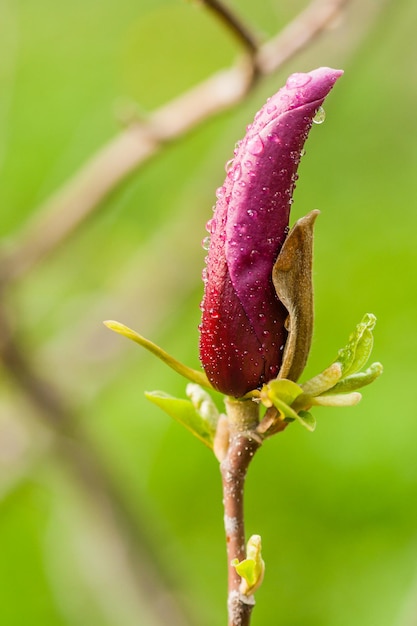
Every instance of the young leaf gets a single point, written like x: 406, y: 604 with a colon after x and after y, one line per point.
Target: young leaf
x: 203, y: 403
x: 186, y: 414
x: 356, y: 381
x: 324, y: 381
x: 285, y: 390
x: 281, y: 394
x: 356, y: 353
x: 251, y: 569
x: 308, y: 420
x: 194, y: 375
x: 344, y: 399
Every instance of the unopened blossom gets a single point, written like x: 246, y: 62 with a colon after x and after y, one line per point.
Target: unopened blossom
x: 242, y: 333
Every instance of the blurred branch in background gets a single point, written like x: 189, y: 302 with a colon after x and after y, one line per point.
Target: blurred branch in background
x: 69, y: 445
x: 70, y: 206
x: 236, y: 27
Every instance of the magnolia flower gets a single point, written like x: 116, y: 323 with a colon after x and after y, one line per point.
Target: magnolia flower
x: 242, y: 333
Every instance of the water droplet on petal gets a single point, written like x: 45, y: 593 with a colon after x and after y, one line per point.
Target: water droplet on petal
x: 206, y: 242
x: 273, y: 371
x: 298, y: 79
x: 271, y: 108
x: 228, y: 165
x: 256, y: 146
x: 274, y: 137
x: 237, y: 172
x: 320, y: 116
x: 219, y: 192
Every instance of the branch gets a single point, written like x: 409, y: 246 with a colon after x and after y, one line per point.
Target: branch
x: 298, y: 34
x: 77, y: 200
x: 234, y: 24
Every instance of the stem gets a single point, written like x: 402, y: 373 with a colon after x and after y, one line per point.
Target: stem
x: 243, y: 417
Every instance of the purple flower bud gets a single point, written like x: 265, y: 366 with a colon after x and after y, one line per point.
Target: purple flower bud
x: 242, y: 334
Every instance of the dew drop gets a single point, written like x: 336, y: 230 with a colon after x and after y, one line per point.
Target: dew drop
x: 274, y: 138
x: 273, y: 371
x: 206, y: 242
x: 237, y: 172
x: 219, y: 192
x: 248, y: 164
x: 298, y: 79
x: 229, y: 165
x: 256, y: 146
x: 320, y: 116
x: 271, y: 108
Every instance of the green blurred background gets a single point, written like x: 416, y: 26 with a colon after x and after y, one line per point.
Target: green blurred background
x: 337, y: 509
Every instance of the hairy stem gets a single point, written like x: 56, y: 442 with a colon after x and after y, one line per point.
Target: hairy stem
x: 243, y: 417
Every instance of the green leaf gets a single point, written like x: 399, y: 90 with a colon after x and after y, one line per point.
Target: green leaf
x: 356, y: 381
x: 252, y: 568
x: 194, y: 375
x: 203, y: 404
x: 344, y: 399
x: 323, y: 381
x: 308, y: 420
x: 282, y: 393
x: 285, y: 390
x: 357, y: 351
x: 186, y: 414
